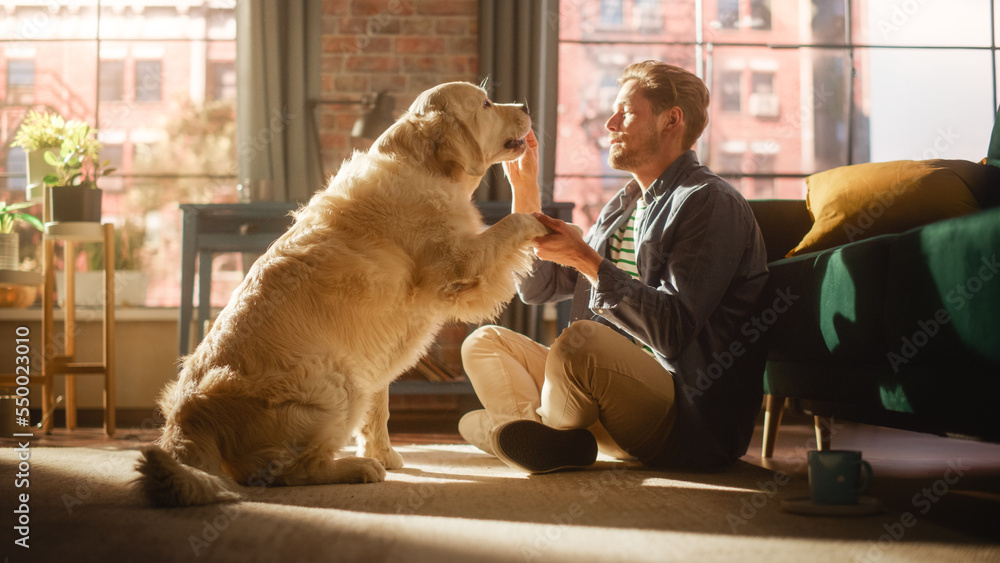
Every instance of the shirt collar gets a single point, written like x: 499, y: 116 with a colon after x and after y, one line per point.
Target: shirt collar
x: 666, y: 182
x: 672, y: 176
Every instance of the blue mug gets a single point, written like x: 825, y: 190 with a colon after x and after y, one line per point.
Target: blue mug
x: 838, y: 476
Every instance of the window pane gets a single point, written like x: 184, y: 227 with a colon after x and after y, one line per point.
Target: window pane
x: 166, y: 113
x: 60, y: 75
x: 894, y: 22
x: 615, y: 20
x: 769, y: 106
x: 949, y: 116
x: 167, y: 120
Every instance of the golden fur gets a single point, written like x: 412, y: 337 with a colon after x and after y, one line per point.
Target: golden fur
x: 350, y: 297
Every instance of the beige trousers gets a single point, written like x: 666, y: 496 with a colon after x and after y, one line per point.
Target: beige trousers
x: 592, y: 377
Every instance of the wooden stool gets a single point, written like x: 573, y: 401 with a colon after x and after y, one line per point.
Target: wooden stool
x: 65, y: 364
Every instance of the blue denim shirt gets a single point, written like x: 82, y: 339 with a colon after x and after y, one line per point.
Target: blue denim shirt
x: 702, y: 266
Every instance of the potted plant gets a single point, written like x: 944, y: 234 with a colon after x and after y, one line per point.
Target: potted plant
x: 73, y: 190
x: 38, y: 134
x: 10, y: 216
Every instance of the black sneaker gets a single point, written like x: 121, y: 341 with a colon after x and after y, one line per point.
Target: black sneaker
x: 532, y: 447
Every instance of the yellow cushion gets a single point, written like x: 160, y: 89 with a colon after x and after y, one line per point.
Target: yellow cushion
x: 854, y: 202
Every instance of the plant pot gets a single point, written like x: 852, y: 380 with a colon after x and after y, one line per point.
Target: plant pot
x: 75, y: 203
x: 10, y: 256
x: 17, y: 296
x: 37, y: 170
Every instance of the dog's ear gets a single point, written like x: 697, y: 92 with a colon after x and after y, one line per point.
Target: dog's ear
x: 427, y: 103
x: 439, y: 141
x: 405, y: 139
x: 457, y: 149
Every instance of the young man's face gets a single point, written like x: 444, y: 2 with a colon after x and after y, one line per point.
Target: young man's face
x: 634, y: 134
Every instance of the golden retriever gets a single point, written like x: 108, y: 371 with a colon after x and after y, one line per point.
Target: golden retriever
x: 350, y: 297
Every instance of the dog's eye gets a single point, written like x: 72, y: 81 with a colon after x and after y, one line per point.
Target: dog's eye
x: 487, y: 103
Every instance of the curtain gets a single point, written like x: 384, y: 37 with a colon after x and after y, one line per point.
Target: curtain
x: 518, y: 62
x: 518, y: 59
x: 277, y: 44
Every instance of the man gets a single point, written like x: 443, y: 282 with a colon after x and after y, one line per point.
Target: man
x: 654, y: 366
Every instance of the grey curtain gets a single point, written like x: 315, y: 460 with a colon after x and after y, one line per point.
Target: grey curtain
x: 277, y: 45
x: 518, y: 58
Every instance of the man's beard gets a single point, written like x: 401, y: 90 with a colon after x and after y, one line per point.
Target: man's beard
x: 635, y: 151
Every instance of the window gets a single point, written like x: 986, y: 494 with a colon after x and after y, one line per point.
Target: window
x: 728, y: 14
x: 148, y: 81
x: 742, y: 14
x: 797, y: 87
x: 20, y: 82
x: 763, y: 102
x: 222, y: 80
x: 17, y: 167
x: 116, y: 68
x: 647, y: 15
x: 112, y: 80
x: 760, y: 14
x: 730, y: 90
x: 612, y: 14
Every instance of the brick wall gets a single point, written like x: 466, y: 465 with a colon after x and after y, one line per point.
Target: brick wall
x: 400, y: 46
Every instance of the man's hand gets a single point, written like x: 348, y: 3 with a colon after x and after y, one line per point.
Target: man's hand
x: 565, y: 245
x: 523, y: 177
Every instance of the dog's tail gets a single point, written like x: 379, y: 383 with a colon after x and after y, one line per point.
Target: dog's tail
x: 167, y: 482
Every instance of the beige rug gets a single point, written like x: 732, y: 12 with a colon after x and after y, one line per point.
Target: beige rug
x: 452, y: 503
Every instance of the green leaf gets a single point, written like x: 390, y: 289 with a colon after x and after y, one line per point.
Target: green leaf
x: 52, y: 159
x: 31, y: 220
x: 19, y: 205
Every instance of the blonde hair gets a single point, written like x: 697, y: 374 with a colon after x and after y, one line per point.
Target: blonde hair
x: 667, y: 86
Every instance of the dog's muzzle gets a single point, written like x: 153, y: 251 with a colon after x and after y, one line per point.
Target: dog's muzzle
x: 514, y: 144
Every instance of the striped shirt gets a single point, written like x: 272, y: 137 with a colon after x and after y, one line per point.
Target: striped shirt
x: 624, y: 251
x: 623, y: 243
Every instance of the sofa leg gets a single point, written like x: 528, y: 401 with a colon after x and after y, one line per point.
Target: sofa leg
x: 822, y: 433
x: 772, y: 420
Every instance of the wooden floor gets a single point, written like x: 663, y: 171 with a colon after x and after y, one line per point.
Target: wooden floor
x: 947, y: 481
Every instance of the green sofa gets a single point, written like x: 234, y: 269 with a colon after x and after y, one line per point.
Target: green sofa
x: 899, y: 330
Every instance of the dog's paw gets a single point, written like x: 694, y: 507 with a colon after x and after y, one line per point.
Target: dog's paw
x: 361, y: 470
x: 388, y: 457
x: 531, y: 227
